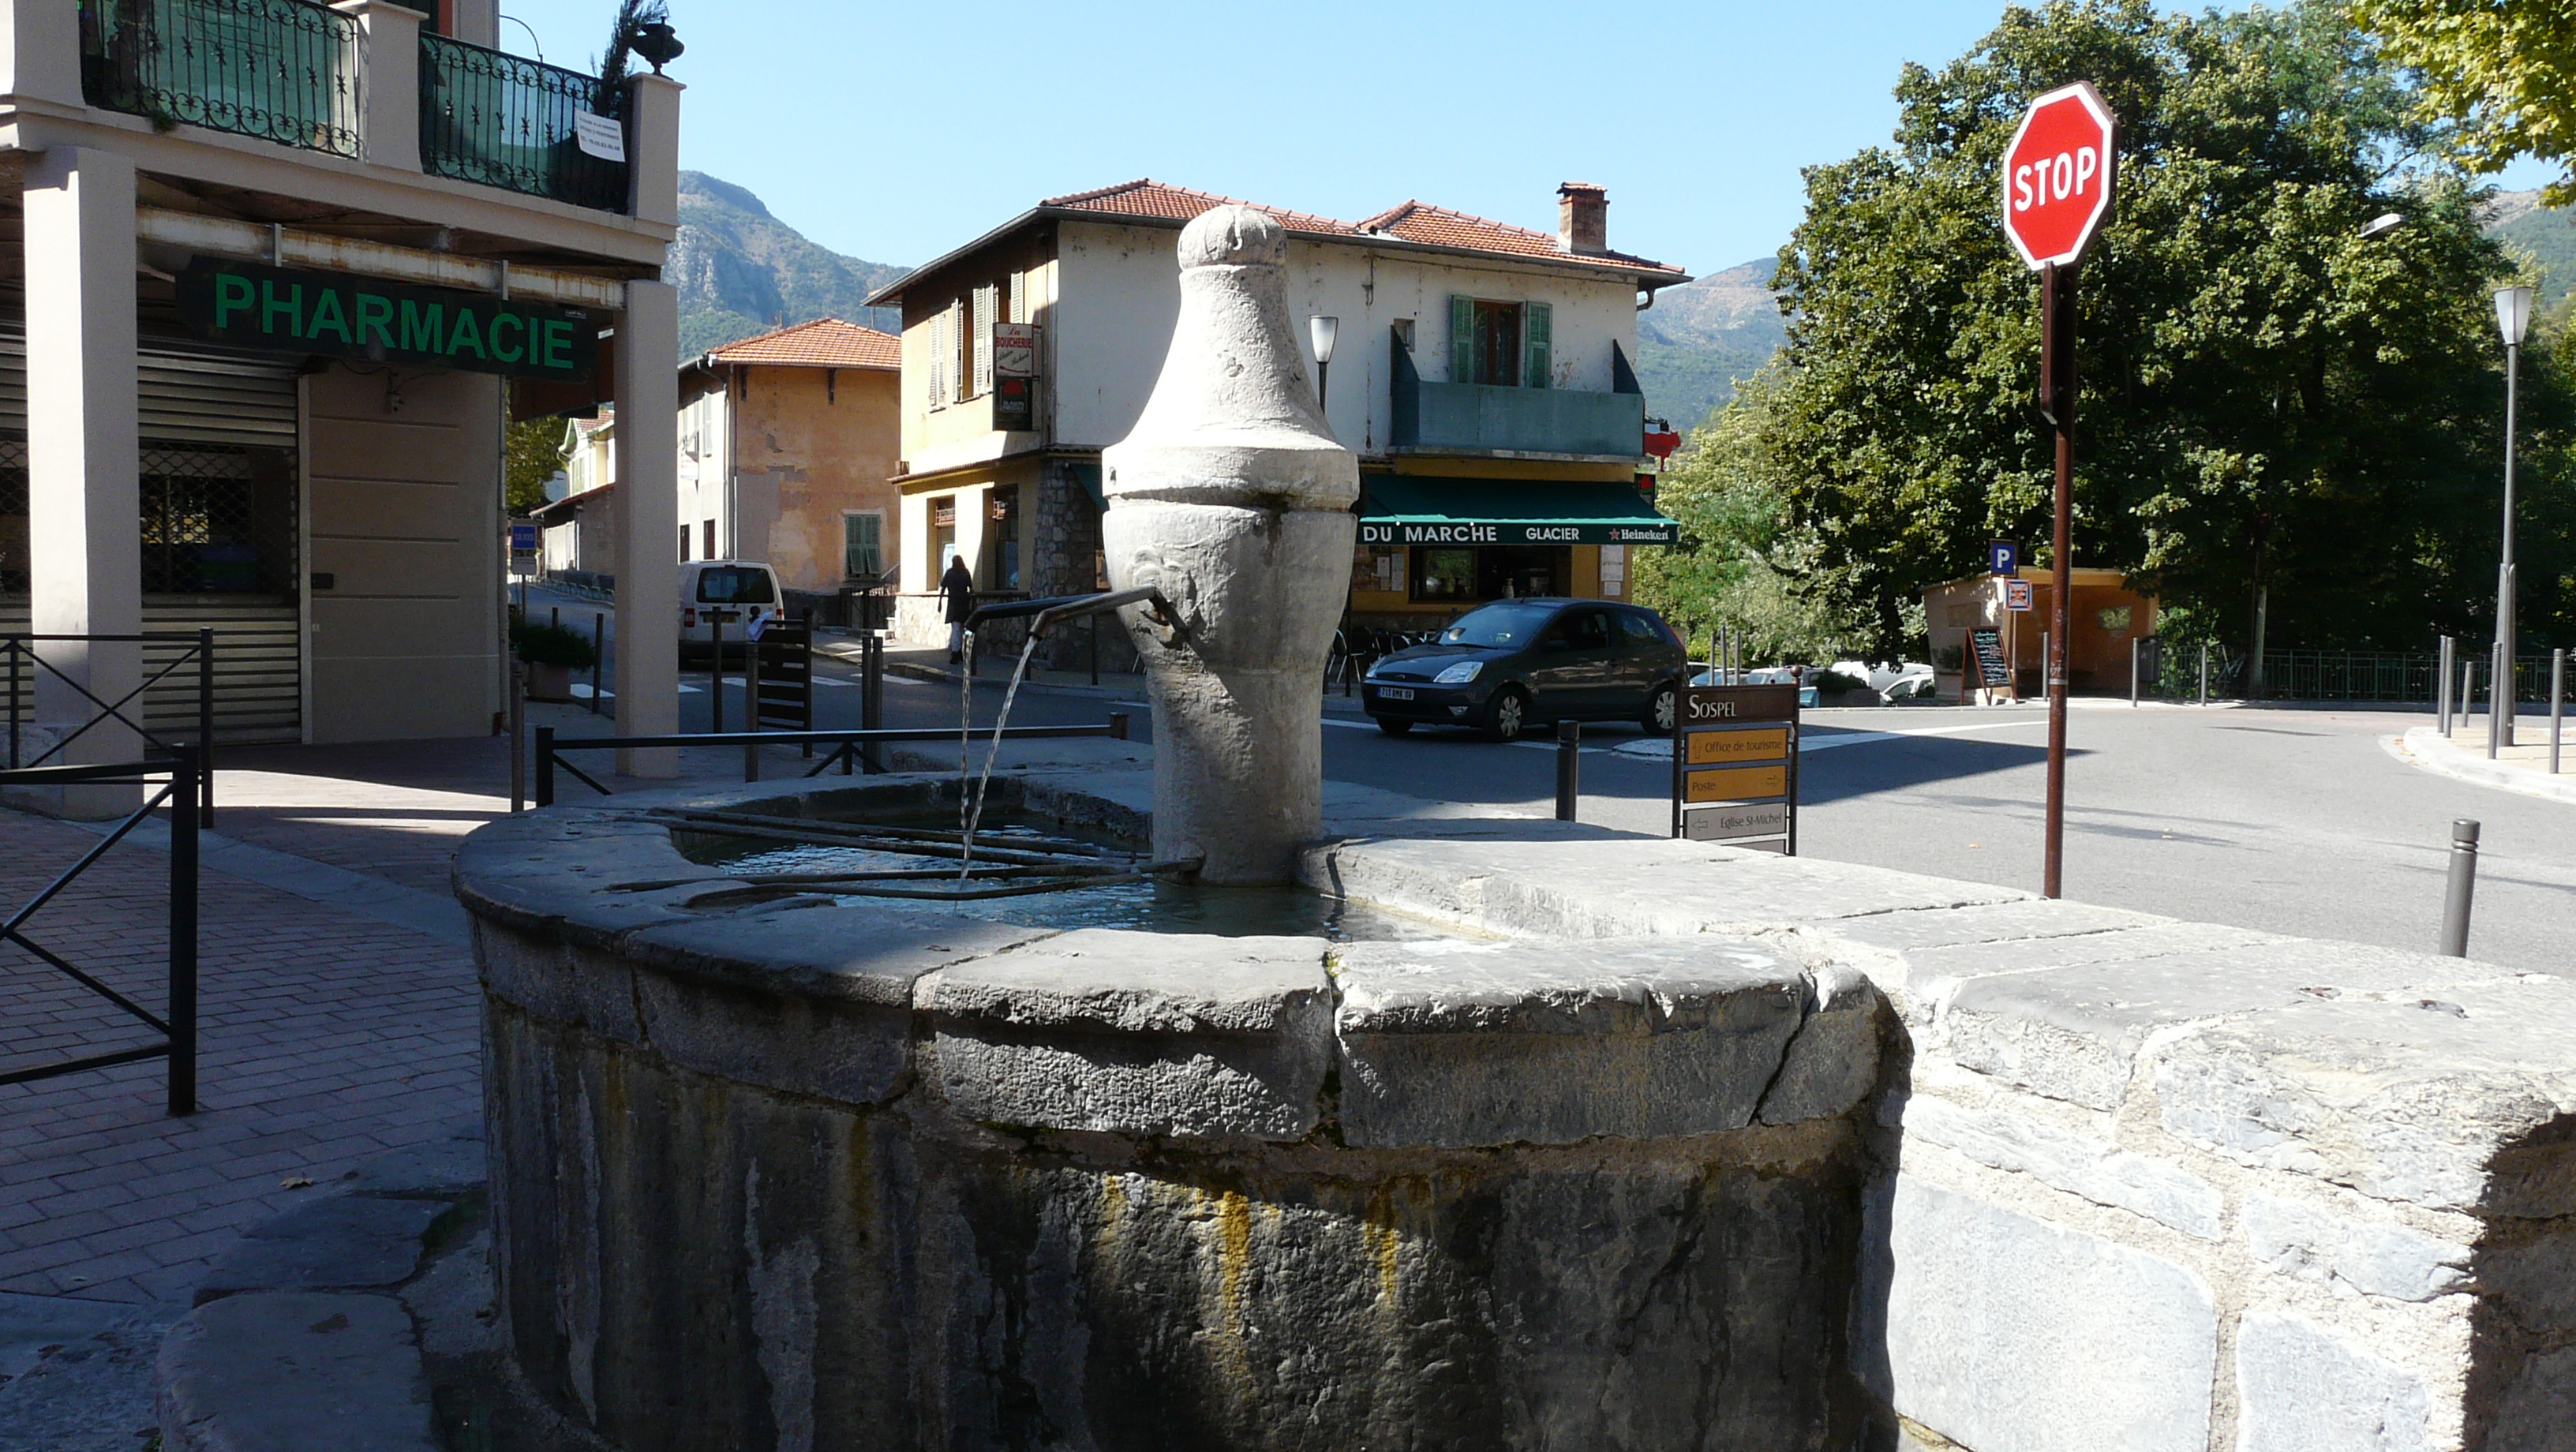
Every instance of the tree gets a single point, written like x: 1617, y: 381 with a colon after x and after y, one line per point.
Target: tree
x: 2504, y: 70
x: 1735, y: 562
x: 2267, y: 398
x: 534, y: 455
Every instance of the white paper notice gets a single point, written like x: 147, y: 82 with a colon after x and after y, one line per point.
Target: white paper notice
x: 599, y: 136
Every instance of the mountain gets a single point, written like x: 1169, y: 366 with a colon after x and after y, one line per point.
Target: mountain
x: 742, y: 272
x: 1698, y: 339
x: 2546, y: 235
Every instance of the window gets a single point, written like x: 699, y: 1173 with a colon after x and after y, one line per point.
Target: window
x: 736, y: 585
x: 987, y: 302
x: 1444, y: 574
x: 1404, y: 333
x: 684, y: 544
x: 710, y: 551
x: 1640, y: 630
x: 861, y: 557
x: 1006, y: 544
x: 1504, y: 344
x: 1498, y: 343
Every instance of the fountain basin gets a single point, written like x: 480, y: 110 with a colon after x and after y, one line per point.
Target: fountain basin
x: 799, y: 1172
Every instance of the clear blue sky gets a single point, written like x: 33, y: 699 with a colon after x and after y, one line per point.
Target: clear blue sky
x: 893, y: 132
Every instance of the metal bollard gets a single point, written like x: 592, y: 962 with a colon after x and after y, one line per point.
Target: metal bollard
x: 545, y: 766
x: 1569, y: 767
x: 2204, y: 673
x: 2442, y: 683
x: 2557, y: 703
x: 598, y: 655
x: 2136, y: 648
x: 518, y: 735
x: 2463, y: 885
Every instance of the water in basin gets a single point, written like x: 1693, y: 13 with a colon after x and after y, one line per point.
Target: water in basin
x: 1159, y: 905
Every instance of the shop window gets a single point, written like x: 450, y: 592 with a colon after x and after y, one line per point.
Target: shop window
x: 862, y: 557
x: 217, y: 521
x: 1006, y: 543
x: 1444, y: 574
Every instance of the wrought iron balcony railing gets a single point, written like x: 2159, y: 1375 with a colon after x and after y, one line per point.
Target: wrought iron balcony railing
x: 503, y: 121
x: 285, y: 71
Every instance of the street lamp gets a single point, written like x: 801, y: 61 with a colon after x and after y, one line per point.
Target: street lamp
x: 1322, y: 331
x: 2381, y: 225
x: 2513, y: 319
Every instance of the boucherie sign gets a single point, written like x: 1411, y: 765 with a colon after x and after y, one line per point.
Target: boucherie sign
x: 338, y: 315
x: 2057, y: 175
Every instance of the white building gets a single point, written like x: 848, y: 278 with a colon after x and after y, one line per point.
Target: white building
x: 1480, y: 370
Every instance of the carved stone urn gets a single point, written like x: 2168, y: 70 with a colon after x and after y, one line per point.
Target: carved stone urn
x: 1232, y: 498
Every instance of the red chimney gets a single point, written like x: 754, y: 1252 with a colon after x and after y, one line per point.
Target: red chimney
x: 1583, y: 218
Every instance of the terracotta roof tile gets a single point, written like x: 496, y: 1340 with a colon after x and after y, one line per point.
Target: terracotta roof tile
x: 1145, y: 197
x: 1441, y: 227
x: 822, y: 343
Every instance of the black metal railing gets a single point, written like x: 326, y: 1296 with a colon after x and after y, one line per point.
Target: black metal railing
x: 504, y: 121
x: 177, y: 1023
x: 23, y: 668
x: 847, y: 753
x: 281, y: 70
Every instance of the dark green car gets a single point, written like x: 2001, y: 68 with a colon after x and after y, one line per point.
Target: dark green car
x: 1506, y: 667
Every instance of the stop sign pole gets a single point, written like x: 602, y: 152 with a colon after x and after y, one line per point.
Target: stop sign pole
x: 2056, y: 193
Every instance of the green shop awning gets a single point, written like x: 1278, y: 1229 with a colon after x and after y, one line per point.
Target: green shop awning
x: 1412, y: 509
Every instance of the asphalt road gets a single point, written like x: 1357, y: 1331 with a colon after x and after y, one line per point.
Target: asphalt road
x: 2290, y: 821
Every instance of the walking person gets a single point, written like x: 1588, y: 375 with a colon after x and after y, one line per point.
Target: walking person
x: 957, y: 591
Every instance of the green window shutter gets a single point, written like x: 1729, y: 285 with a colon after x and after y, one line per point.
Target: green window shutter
x: 1462, y: 338
x: 1535, y: 329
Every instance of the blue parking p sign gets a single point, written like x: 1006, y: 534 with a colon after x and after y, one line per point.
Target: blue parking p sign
x: 2003, y: 557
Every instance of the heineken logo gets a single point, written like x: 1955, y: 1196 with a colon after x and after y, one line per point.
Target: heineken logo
x: 342, y: 316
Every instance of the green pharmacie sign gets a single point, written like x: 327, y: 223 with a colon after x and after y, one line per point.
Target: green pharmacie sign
x: 344, y: 316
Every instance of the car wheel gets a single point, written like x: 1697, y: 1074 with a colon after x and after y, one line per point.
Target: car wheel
x: 1391, y: 726
x: 1660, y: 706
x: 1508, y: 716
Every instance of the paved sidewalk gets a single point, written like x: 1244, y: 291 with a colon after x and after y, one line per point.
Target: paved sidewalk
x: 2522, y: 767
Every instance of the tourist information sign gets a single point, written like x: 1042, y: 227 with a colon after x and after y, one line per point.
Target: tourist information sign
x: 1735, y: 766
x: 2057, y: 177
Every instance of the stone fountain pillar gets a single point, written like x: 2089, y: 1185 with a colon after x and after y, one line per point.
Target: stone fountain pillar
x: 1232, y: 497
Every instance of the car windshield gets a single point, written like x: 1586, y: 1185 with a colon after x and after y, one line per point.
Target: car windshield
x: 1505, y: 627
x: 734, y: 585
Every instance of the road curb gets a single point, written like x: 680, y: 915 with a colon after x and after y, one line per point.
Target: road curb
x: 2424, y: 749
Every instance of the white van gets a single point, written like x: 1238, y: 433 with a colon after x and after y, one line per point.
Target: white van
x: 740, y: 595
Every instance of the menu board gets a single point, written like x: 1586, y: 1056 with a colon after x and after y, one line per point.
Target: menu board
x: 1993, y: 671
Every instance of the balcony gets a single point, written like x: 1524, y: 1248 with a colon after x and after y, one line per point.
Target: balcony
x: 368, y: 86
x: 512, y: 123
x: 1489, y: 419
x: 280, y: 70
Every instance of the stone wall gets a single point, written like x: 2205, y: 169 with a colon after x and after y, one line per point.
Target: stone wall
x: 1698, y: 1147
x: 2143, y: 1183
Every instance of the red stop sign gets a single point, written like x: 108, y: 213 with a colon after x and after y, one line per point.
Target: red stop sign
x: 2057, y: 175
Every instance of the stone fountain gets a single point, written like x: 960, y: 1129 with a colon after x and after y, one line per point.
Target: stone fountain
x: 1666, y: 1145
x: 1233, y: 499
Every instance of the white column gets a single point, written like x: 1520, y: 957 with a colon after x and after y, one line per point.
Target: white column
x: 40, y: 52
x: 84, y: 537
x: 389, y: 37
x: 648, y: 503
x: 653, y: 149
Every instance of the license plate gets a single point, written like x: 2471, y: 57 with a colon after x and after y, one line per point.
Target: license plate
x: 1394, y: 693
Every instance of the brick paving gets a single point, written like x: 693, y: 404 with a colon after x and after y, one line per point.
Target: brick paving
x: 326, y: 1039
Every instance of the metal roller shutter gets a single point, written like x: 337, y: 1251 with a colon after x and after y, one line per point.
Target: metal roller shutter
x: 199, y: 405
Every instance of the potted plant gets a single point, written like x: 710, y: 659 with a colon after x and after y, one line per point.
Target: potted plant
x: 551, y: 653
